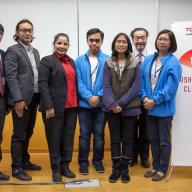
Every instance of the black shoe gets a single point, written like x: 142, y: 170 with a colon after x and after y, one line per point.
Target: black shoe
x: 67, y: 173
x: 114, y: 176
x: 133, y: 161
x: 125, y: 176
x: 4, y: 177
x: 99, y: 168
x: 145, y: 164
x: 21, y: 174
x: 83, y: 170
x: 57, y: 177
x: 31, y: 166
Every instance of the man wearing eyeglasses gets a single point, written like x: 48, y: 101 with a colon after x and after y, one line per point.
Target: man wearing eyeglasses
x: 91, y: 118
x: 140, y: 138
x: 21, y: 66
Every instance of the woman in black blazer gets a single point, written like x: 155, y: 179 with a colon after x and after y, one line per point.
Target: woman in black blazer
x: 58, y: 104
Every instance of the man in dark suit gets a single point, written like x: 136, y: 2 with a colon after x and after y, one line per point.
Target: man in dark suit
x: 3, y: 109
x: 21, y: 66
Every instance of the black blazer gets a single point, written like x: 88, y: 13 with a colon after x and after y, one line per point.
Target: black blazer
x: 3, y: 66
x: 19, y: 74
x: 53, y: 84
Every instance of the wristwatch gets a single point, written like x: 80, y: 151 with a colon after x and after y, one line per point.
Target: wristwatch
x: 100, y: 98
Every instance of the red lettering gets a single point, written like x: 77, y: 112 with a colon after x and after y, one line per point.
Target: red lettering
x: 189, y: 29
x: 189, y: 89
x: 189, y: 79
x: 185, y: 87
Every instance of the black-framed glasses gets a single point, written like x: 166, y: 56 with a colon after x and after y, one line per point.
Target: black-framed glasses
x: 123, y: 42
x: 94, y: 40
x: 26, y: 30
x: 163, y: 39
x: 140, y: 37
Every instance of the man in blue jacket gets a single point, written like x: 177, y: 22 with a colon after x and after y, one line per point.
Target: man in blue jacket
x: 91, y: 118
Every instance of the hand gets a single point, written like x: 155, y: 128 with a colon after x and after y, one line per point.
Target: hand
x: 117, y: 109
x: 19, y: 107
x: 149, y: 103
x: 145, y: 99
x: 50, y: 113
x: 94, y: 101
x: 8, y: 111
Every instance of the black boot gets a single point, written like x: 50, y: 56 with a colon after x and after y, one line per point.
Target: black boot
x: 124, y: 170
x: 115, y: 170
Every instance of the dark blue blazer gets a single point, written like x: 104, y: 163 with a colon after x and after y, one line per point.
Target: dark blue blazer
x: 2, y: 59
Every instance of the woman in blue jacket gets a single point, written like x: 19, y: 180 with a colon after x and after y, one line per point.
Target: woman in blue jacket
x: 161, y: 73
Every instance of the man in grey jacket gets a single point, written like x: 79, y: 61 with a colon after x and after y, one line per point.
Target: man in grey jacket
x: 21, y: 66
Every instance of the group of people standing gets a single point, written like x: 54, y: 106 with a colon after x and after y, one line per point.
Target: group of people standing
x: 133, y: 90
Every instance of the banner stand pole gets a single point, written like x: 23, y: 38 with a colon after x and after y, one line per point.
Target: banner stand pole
x: 170, y: 173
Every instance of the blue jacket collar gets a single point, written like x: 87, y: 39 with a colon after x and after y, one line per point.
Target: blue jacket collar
x: 99, y: 55
x: 164, y: 60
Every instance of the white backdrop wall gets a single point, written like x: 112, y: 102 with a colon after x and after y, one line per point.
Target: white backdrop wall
x: 49, y: 17
x: 115, y: 16
x: 111, y: 16
x: 174, y: 10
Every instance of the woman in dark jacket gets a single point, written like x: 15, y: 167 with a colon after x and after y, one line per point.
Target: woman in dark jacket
x: 58, y: 104
x: 121, y: 85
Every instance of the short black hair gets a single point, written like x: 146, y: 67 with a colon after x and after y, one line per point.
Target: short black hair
x: 1, y: 29
x: 15, y: 37
x: 138, y: 29
x: 173, y: 42
x: 129, y: 49
x: 95, y: 30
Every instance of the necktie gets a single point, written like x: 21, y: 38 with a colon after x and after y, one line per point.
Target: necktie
x: 1, y: 80
x: 140, y: 57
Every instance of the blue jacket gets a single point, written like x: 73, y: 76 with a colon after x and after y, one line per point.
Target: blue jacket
x: 165, y: 90
x: 84, y: 78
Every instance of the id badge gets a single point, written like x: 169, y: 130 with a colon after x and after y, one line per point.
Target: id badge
x: 154, y: 80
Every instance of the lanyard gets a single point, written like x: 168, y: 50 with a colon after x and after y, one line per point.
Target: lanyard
x: 1, y: 69
x: 156, y: 67
x: 125, y: 61
x: 95, y: 68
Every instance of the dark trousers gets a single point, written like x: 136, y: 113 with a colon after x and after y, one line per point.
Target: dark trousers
x: 60, y: 138
x: 22, y: 132
x: 141, y: 140
x: 2, y: 120
x: 121, y: 130
x: 91, y: 120
x: 159, y: 133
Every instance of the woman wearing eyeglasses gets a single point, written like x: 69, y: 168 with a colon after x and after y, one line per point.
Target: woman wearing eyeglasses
x: 59, y: 101
x: 161, y: 73
x: 121, y: 85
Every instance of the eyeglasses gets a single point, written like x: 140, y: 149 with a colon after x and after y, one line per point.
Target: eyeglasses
x: 123, y: 42
x: 142, y: 38
x: 94, y: 40
x: 162, y: 39
x: 26, y: 30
